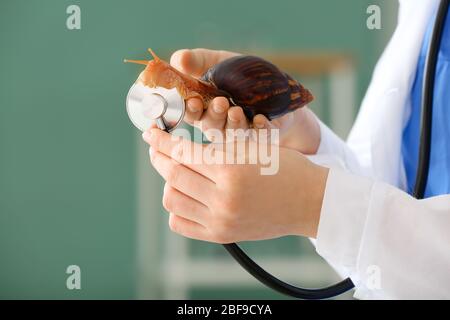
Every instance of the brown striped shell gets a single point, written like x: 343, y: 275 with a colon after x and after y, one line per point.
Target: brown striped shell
x: 258, y: 86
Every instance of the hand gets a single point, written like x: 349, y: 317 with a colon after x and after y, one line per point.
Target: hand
x: 299, y: 130
x: 219, y: 114
x: 230, y: 203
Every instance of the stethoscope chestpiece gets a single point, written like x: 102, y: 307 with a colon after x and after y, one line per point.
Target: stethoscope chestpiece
x: 147, y: 106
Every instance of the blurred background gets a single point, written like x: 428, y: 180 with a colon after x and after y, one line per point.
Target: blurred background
x: 76, y: 187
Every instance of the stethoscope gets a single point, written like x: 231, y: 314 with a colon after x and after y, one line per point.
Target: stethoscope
x: 166, y: 108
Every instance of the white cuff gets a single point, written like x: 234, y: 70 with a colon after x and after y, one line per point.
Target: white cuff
x: 342, y: 220
x: 329, y: 141
x: 330, y: 152
x: 333, y: 152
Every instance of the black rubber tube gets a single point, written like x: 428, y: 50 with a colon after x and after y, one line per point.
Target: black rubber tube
x: 282, y: 287
x: 427, y: 101
x: 419, y: 189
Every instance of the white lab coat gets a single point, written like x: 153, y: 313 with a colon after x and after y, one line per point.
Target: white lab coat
x: 390, y: 244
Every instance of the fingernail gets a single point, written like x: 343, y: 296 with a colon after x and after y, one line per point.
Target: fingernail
x: 193, y: 108
x: 232, y: 119
x: 259, y: 125
x: 147, y: 136
x: 218, y: 108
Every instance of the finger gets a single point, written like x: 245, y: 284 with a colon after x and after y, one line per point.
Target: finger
x: 197, y: 61
x: 182, y: 178
x: 217, y: 110
x: 184, y: 206
x: 187, y: 228
x: 262, y: 127
x: 194, y: 110
x: 215, y: 116
x: 181, y: 150
x: 261, y: 122
x: 236, y: 120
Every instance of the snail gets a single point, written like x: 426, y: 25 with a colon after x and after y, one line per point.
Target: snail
x: 250, y: 82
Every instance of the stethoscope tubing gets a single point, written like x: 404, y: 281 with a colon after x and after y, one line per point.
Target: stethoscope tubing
x: 427, y: 101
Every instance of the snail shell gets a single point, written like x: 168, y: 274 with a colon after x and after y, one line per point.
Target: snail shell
x: 258, y: 86
x: 250, y: 82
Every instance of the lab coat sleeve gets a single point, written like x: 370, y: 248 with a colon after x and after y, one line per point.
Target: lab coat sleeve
x: 334, y: 152
x: 391, y: 245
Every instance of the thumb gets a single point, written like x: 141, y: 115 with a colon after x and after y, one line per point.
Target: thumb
x: 197, y: 61
x: 188, y: 61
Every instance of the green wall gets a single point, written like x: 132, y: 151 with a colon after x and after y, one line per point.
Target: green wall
x: 67, y: 149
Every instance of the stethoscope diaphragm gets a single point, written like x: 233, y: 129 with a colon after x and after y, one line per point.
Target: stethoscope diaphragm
x: 147, y: 106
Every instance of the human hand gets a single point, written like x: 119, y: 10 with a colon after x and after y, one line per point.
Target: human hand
x: 298, y: 130
x: 227, y: 203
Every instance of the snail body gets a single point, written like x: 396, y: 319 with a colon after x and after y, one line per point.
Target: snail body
x: 250, y: 82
